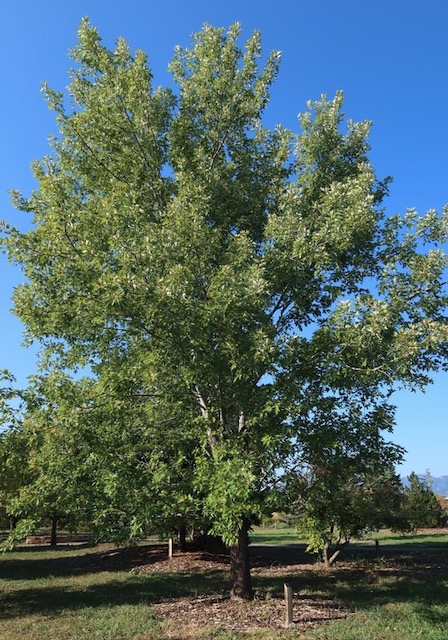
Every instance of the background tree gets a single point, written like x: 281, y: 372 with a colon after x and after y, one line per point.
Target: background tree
x: 52, y: 458
x: 421, y: 507
x: 241, y: 274
x: 331, y: 514
x: 85, y: 469
x: 344, y: 484
x: 14, y: 472
x: 14, y: 448
x: 443, y: 502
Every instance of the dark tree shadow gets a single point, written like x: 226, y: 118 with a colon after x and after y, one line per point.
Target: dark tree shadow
x: 362, y: 582
x: 137, y: 589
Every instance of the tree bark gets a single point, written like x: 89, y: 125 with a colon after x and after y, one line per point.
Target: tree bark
x: 182, y: 537
x: 54, y: 531
x: 329, y: 560
x: 326, y: 554
x: 240, y: 567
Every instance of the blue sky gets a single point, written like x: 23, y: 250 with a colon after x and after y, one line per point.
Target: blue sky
x: 388, y: 56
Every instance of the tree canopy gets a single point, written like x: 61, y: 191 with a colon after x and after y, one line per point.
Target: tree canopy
x: 222, y: 282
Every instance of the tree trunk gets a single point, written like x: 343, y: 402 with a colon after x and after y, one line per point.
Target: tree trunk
x: 240, y: 567
x: 12, y: 523
x: 54, y: 531
x: 329, y: 560
x: 326, y: 554
x: 182, y: 536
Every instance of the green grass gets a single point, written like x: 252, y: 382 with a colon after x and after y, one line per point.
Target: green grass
x: 74, y: 594
x: 391, y: 607
x: 42, y: 596
x: 270, y: 535
x: 393, y: 595
x: 432, y: 537
x: 386, y: 538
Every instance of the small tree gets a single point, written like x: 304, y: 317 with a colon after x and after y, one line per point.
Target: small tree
x: 331, y: 514
x: 14, y: 450
x: 345, y: 483
x: 443, y: 501
x: 278, y: 517
x: 421, y: 507
x: 51, y: 457
x: 15, y: 473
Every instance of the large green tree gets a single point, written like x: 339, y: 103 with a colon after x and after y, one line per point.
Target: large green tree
x: 232, y: 273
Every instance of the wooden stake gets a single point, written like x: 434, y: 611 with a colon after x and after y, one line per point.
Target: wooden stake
x: 288, y: 605
x: 170, y: 548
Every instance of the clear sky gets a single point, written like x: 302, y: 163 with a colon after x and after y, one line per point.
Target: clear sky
x: 388, y: 56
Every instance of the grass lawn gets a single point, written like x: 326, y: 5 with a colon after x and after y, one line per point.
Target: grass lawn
x: 288, y: 535
x: 269, y: 535
x: 100, y: 594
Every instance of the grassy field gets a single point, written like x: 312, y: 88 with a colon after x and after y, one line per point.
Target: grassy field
x: 69, y: 594
x: 270, y: 535
x: 288, y: 535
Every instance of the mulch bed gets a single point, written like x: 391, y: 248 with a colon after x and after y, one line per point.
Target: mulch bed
x: 217, y: 609
x: 239, y: 615
x: 265, y: 611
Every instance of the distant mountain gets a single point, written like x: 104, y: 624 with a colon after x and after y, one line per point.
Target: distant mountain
x: 439, y: 485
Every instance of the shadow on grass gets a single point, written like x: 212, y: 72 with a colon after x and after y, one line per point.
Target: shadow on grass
x: 432, y: 615
x: 271, y: 555
x: 366, y: 588
x: 46, y: 548
x: 35, y: 566
x: 132, y: 589
x: 414, y: 579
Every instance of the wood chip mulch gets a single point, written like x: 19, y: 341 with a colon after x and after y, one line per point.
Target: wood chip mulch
x: 239, y: 615
x: 218, y: 609
x: 186, y: 563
